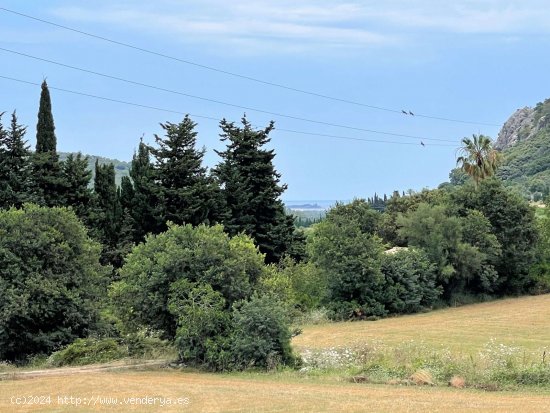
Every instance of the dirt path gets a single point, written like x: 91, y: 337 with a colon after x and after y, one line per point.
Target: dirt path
x: 67, y: 371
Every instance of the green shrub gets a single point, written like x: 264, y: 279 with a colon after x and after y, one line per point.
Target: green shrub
x: 202, y: 322
x: 88, y: 351
x: 201, y: 255
x: 301, y: 286
x: 51, y: 282
x: 410, y: 280
x: 260, y: 335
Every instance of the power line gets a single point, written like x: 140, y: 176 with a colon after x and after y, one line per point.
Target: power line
x: 205, y: 117
x: 241, y: 76
x: 132, y: 82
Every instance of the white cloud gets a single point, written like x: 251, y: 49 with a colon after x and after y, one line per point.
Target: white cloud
x: 316, y: 25
x: 277, y: 26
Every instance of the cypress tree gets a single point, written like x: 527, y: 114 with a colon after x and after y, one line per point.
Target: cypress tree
x: 47, y: 171
x: 14, y: 165
x: 251, y: 189
x: 186, y: 190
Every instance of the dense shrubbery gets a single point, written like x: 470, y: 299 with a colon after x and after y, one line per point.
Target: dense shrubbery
x: 156, y: 271
x: 410, y: 282
x: 469, y: 241
x: 195, y: 285
x: 51, y: 283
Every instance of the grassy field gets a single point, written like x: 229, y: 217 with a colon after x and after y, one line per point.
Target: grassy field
x: 522, y: 322
x: 519, y: 322
x: 268, y: 393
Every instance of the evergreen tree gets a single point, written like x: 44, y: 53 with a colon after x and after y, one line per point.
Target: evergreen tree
x: 77, y: 193
x: 14, y: 165
x: 47, y: 171
x: 146, y: 211
x: 184, y: 186
x: 107, y: 212
x: 251, y: 189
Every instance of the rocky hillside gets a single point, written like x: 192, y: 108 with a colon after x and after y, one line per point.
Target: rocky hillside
x: 525, y: 143
x: 524, y: 124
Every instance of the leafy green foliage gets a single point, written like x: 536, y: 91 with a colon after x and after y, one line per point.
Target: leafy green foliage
x: 463, y: 249
x: 203, y: 324
x: 410, y: 281
x: 260, y: 336
x: 513, y: 224
x: 345, y: 248
x: 300, y: 285
x: 204, y: 255
x: 51, y: 282
x: 88, y: 351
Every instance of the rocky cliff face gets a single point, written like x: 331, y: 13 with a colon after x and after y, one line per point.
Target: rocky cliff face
x: 518, y: 127
x: 524, y: 124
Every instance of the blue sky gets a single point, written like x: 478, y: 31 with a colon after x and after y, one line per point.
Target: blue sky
x: 466, y: 60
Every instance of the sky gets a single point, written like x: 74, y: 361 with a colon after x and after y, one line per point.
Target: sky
x: 333, y: 75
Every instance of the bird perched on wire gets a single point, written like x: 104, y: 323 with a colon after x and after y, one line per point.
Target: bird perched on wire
x: 410, y: 113
x: 404, y: 112
x: 422, y: 143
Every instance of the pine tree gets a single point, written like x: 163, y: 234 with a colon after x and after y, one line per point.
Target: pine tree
x: 251, y: 189
x: 77, y: 193
x: 14, y: 165
x: 184, y: 186
x: 47, y: 172
x: 146, y: 210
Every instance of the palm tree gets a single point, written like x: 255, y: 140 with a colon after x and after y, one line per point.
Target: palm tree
x: 478, y: 158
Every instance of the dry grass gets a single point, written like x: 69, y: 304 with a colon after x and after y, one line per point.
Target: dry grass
x: 220, y: 393
x: 521, y: 322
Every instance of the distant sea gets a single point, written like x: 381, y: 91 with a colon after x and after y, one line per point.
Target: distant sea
x: 311, y: 205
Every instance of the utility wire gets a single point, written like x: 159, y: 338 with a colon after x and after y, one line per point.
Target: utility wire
x: 207, y: 117
x: 218, y: 101
x: 241, y: 76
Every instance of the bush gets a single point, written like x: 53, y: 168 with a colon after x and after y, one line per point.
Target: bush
x: 200, y: 255
x: 347, y: 253
x: 301, y: 286
x: 88, y: 351
x: 260, y: 334
x: 202, y: 318
x: 409, y: 281
x: 51, y: 282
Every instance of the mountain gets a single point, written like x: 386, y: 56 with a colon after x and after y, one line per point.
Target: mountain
x: 122, y: 168
x: 525, y: 144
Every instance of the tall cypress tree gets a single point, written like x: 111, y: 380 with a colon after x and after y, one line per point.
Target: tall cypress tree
x: 186, y: 190
x: 47, y: 171
x: 14, y: 165
x: 251, y: 189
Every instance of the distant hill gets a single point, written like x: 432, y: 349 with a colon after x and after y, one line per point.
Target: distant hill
x: 525, y: 144
x: 122, y: 168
